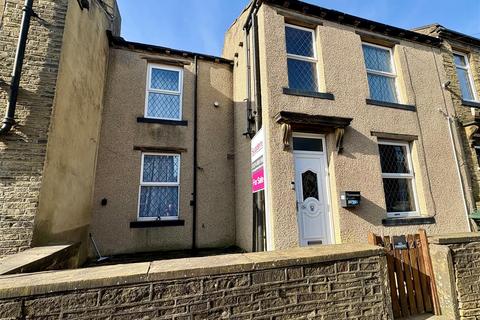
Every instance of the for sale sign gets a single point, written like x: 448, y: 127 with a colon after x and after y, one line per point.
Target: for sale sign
x: 258, y: 162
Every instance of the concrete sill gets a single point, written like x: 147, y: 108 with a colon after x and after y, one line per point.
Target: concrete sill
x: 162, y: 121
x: 156, y: 224
x: 471, y: 104
x: 391, y: 105
x: 311, y: 94
x: 394, y: 222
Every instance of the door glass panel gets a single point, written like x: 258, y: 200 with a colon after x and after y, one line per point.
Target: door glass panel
x: 307, y: 144
x: 309, y: 185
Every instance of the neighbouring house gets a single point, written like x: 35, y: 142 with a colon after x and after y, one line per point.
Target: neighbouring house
x: 314, y: 127
x: 461, y: 61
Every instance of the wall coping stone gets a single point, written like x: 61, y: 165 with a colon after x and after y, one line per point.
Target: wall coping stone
x: 453, y: 238
x: 13, y: 286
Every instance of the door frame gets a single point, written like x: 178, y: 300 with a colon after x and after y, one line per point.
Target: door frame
x: 322, y: 155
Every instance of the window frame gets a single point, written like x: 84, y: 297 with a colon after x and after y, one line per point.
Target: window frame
x: 469, y: 73
x: 313, y: 59
x: 410, y: 176
x: 149, y: 89
x: 159, y: 184
x: 393, y: 74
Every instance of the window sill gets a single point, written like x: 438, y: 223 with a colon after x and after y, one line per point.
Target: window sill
x: 163, y: 121
x: 311, y: 94
x: 391, y: 105
x: 412, y: 221
x: 156, y: 224
x: 472, y: 104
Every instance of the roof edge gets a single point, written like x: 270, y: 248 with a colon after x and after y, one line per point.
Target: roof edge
x: 355, y: 21
x: 121, y: 42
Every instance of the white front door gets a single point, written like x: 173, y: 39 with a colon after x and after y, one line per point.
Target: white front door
x: 311, y: 185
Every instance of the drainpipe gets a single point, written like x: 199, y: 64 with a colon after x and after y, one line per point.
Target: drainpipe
x: 195, y: 158
x: 9, y: 119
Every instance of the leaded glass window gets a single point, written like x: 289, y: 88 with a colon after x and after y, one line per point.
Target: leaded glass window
x: 301, y: 58
x: 380, y: 72
x: 464, y: 78
x: 398, y: 178
x: 164, y: 93
x: 159, y: 187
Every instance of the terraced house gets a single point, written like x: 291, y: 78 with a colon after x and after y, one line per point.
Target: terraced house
x: 314, y: 127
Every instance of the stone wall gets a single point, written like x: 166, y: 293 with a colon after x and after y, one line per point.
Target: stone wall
x: 456, y: 263
x: 328, y: 282
x: 22, y: 152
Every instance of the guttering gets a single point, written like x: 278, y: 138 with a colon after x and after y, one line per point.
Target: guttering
x: 9, y: 119
x: 195, y: 158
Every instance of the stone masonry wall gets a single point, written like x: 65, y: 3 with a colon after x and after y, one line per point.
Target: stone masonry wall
x: 463, y: 113
x: 22, y: 151
x: 290, y: 286
x: 456, y: 263
x: 466, y: 262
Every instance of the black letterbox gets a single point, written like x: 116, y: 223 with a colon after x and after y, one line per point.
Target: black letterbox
x: 350, y: 199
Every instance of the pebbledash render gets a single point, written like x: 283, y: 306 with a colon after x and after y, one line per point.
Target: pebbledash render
x: 314, y: 127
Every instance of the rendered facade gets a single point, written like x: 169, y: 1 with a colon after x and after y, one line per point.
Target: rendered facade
x: 347, y: 124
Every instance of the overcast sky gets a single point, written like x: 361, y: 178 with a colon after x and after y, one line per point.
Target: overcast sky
x: 199, y: 25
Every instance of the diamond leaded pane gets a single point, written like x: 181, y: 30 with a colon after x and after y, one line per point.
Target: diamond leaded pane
x: 393, y: 158
x: 465, y: 84
x: 299, y: 42
x: 165, y: 79
x: 302, y: 75
x: 399, y: 195
x: 165, y: 106
x: 309, y: 185
x: 382, y: 88
x: 158, y: 202
x: 160, y: 168
x: 377, y: 58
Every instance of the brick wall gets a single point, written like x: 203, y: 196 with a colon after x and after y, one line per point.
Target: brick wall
x: 333, y: 282
x: 22, y: 152
x: 456, y: 260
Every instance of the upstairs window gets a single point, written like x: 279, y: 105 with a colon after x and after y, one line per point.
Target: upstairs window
x: 464, y: 76
x: 398, y: 178
x: 159, y: 187
x: 301, y: 58
x: 381, y: 73
x: 164, y: 93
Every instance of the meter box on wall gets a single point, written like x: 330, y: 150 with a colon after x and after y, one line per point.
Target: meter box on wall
x: 350, y: 199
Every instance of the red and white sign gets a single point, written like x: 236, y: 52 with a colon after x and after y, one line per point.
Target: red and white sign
x: 258, y: 162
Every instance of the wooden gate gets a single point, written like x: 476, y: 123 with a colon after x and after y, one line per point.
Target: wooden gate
x: 412, y: 284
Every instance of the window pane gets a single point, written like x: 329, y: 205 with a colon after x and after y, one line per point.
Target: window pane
x: 309, y: 185
x: 465, y: 85
x: 382, y: 88
x: 459, y: 60
x: 302, y: 75
x: 399, y: 195
x: 307, y: 144
x: 377, y: 58
x: 299, y: 42
x: 158, y: 202
x: 477, y: 153
x: 166, y: 106
x: 165, y: 79
x: 160, y: 168
x: 393, y: 158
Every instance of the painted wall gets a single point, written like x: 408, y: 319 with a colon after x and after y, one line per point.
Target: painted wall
x: 119, y: 165
x: 358, y: 167
x: 65, y: 202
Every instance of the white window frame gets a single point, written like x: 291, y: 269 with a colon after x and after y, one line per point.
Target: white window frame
x: 179, y: 93
x: 159, y: 184
x: 469, y: 73
x: 410, y: 176
x: 313, y: 59
x: 392, y: 74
